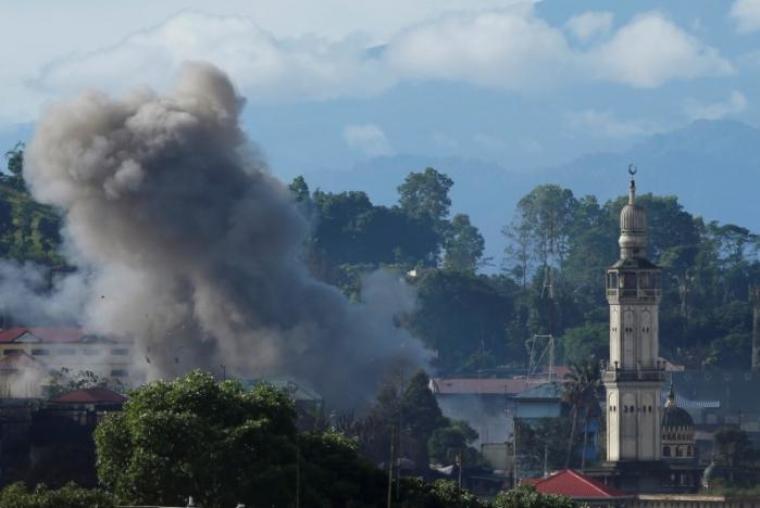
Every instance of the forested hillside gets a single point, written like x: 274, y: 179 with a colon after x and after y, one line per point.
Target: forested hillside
x: 29, y: 231
x: 550, y: 280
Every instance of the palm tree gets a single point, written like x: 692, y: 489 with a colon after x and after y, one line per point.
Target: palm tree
x: 580, y: 393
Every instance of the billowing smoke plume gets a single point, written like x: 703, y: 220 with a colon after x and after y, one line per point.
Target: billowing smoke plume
x: 193, y: 249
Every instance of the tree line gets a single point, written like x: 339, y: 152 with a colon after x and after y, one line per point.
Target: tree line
x: 223, y: 445
x: 550, y: 281
x: 558, y: 247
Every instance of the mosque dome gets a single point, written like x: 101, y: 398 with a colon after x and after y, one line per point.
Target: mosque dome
x: 678, y: 442
x: 633, y: 227
x: 633, y: 219
x: 676, y: 417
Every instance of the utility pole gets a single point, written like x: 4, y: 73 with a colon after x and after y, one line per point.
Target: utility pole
x: 390, y: 470
x: 515, y: 481
x: 755, y: 295
x: 298, y: 470
x: 460, y: 463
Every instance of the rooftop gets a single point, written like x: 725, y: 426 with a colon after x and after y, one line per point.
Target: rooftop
x: 487, y: 386
x: 95, y: 395
x: 575, y: 485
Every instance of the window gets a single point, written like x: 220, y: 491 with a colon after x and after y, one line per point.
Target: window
x: 679, y: 451
x: 120, y: 351
x: 666, y: 451
x: 40, y: 352
x: 12, y: 351
x: 119, y: 373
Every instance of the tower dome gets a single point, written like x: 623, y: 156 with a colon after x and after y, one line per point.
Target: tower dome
x: 677, y: 430
x: 633, y: 226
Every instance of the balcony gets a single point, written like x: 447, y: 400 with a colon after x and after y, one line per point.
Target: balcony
x: 613, y: 374
x: 652, y: 295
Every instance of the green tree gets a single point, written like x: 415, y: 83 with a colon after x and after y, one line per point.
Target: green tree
x: 545, y: 215
x: 587, y: 340
x: 421, y: 416
x: 300, y: 189
x: 330, y: 473
x: 463, y: 246
x: 196, y: 437
x: 447, y: 444
x: 69, y: 496
x: 350, y: 230
x: 733, y: 447
x: 426, y: 195
x: 580, y: 393
x: 15, y: 167
x: 464, y: 319
x: 415, y: 493
x: 527, y: 497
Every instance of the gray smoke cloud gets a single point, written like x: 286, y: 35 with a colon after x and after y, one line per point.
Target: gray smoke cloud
x: 191, y: 247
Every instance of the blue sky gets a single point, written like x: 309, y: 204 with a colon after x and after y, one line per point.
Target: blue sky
x: 335, y: 83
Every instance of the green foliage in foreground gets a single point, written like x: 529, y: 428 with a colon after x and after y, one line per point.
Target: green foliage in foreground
x: 70, y: 496
x: 527, y: 497
x: 223, y: 445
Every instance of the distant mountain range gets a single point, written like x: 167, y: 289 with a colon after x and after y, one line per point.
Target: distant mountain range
x: 713, y: 166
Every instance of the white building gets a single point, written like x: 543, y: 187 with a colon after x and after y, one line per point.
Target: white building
x: 29, y: 355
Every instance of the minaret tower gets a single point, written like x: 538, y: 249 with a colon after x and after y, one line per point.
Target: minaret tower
x: 634, y: 375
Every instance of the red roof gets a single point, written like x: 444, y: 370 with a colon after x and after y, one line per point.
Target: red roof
x: 575, y: 485
x: 488, y: 386
x: 90, y: 396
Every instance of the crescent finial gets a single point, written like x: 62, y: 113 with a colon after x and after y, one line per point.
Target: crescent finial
x: 632, y: 169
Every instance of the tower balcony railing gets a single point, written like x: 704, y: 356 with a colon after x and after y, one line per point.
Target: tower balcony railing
x: 640, y: 294
x: 614, y: 373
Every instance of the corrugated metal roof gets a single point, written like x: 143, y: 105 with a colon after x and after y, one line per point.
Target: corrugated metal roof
x: 549, y: 391
x: 486, y: 386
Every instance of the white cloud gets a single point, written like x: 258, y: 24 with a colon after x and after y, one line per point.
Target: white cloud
x: 605, y: 124
x: 509, y: 48
x: 746, y: 15
x: 590, y: 24
x: 651, y: 50
x: 734, y: 104
x: 515, y: 50
x: 266, y: 68
x: 368, y: 139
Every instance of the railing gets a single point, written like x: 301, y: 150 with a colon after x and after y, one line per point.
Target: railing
x: 613, y: 373
x: 650, y: 294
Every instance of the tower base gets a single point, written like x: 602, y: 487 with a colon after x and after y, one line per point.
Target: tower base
x: 655, y: 477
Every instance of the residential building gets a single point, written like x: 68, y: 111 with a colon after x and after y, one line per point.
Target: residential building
x: 29, y: 355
